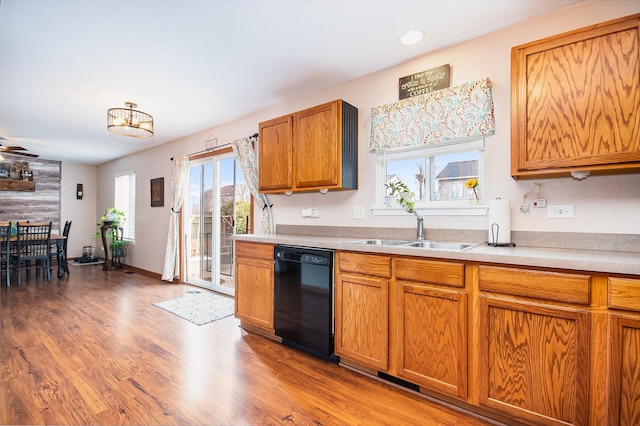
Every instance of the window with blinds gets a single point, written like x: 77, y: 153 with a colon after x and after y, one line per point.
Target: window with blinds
x: 125, y: 200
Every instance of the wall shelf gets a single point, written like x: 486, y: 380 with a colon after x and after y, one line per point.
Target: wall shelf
x: 17, y: 185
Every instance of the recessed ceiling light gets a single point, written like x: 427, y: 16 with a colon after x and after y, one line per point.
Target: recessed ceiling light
x: 411, y: 37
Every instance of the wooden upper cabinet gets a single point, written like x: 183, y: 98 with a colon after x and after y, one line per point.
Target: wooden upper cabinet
x: 312, y: 149
x: 275, y: 154
x: 574, y: 102
x: 317, y: 150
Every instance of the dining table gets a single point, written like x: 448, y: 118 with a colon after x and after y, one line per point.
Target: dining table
x: 58, y: 240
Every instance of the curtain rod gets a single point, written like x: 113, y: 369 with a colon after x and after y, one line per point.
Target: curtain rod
x: 255, y: 135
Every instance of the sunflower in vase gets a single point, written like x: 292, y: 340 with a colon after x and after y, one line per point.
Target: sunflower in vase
x: 473, y: 185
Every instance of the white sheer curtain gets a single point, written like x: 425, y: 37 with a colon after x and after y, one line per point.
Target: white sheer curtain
x: 243, y: 149
x: 178, y: 186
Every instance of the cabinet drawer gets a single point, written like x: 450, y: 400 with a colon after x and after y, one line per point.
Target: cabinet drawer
x: 367, y: 264
x: 570, y: 288
x: 255, y: 250
x: 430, y: 271
x: 624, y: 293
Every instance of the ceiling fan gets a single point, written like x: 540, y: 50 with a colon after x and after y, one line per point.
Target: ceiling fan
x: 15, y: 150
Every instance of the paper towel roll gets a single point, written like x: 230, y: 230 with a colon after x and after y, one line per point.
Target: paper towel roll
x: 499, y: 221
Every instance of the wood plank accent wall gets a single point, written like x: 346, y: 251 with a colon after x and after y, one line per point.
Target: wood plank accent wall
x: 43, y: 203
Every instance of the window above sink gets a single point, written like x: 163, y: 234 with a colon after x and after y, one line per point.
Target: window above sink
x: 437, y: 176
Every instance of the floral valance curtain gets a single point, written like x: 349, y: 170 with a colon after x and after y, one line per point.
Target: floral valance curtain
x: 243, y: 149
x: 444, y: 116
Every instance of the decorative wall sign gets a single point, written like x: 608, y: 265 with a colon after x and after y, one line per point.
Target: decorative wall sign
x: 424, y: 82
x: 211, y: 142
x: 157, y: 192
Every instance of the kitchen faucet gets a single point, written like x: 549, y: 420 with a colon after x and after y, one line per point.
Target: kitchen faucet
x: 420, y: 227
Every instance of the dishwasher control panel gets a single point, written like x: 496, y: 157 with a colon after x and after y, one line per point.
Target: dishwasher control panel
x: 316, y: 260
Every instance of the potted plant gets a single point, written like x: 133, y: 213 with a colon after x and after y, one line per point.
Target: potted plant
x: 402, y: 194
x: 113, y: 219
x: 115, y: 216
x: 118, y: 247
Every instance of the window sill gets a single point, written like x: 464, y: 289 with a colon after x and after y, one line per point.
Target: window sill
x: 460, y: 210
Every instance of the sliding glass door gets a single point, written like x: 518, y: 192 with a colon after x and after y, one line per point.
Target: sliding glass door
x: 218, y: 207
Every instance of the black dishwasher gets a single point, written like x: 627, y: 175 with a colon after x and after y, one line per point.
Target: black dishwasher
x: 304, y: 299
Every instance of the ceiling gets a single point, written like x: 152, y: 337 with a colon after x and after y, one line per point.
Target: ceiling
x: 195, y: 64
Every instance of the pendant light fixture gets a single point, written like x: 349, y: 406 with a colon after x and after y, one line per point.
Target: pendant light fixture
x: 130, y: 122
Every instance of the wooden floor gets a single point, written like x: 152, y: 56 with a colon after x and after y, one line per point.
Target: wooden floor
x: 92, y: 349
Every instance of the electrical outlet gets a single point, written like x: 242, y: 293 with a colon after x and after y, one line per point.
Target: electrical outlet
x: 358, y: 212
x: 560, y: 212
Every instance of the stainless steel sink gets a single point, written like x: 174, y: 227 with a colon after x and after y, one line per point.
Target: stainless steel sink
x: 376, y: 242
x: 433, y: 245
x: 438, y: 245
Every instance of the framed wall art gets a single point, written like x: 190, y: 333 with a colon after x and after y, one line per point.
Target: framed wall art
x: 157, y: 192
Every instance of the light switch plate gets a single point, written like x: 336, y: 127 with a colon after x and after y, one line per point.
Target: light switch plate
x: 311, y: 212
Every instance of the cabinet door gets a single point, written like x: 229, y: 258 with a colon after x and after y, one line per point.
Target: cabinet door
x: 575, y: 99
x: 275, y: 150
x: 432, y: 338
x: 254, y: 292
x: 317, y: 149
x: 362, y: 320
x: 625, y: 370
x: 533, y: 361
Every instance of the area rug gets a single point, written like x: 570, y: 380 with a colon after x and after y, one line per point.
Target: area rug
x: 200, y: 308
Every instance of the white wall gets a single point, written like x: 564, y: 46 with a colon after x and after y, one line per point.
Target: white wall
x: 82, y: 213
x: 152, y: 223
x: 606, y: 204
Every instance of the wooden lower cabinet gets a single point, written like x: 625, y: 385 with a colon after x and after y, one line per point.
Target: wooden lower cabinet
x: 362, y: 320
x: 432, y: 338
x: 362, y: 309
x: 519, y: 344
x: 534, y: 360
x: 624, y: 401
x: 625, y: 370
x: 255, y: 285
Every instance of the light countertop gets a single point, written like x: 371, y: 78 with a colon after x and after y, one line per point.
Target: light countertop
x: 583, y: 260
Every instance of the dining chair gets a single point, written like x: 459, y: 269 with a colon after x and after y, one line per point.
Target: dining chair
x: 54, y: 248
x: 5, y: 247
x: 33, y: 243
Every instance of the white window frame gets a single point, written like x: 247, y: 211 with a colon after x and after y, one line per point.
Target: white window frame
x: 125, y: 200
x: 429, y: 207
